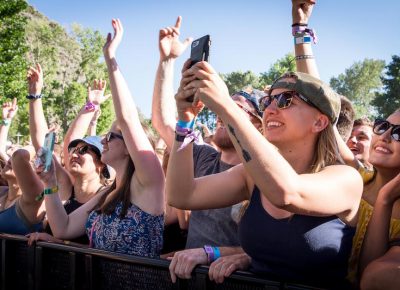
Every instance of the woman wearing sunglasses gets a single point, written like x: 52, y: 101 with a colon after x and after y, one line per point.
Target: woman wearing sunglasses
x: 379, y: 209
x: 303, y: 202
x: 127, y: 217
x: 380, y: 254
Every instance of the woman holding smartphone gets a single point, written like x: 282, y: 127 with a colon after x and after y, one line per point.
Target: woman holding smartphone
x: 303, y: 202
x: 128, y: 216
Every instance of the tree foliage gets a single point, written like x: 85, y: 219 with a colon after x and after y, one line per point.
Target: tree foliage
x: 389, y: 100
x: 12, y: 54
x: 360, y: 83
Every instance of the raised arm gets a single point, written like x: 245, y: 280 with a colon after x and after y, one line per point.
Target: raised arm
x: 9, y: 110
x: 80, y: 125
x: 305, y: 62
x: 301, y: 12
x: 148, y: 169
x: 37, y: 122
x: 163, y: 106
x: 376, y: 241
x: 183, y: 190
x: 334, y: 190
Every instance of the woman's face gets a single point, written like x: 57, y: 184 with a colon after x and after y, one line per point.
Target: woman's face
x: 293, y: 123
x: 83, y: 160
x: 385, y: 151
x: 114, y: 149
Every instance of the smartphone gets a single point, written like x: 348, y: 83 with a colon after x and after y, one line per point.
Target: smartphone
x: 48, y: 150
x: 200, y: 51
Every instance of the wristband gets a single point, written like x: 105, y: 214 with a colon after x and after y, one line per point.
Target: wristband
x: 209, y: 252
x: 217, y: 253
x: 299, y: 24
x: 5, y: 122
x: 46, y: 191
x: 302, y: 39
x: 34, y: 97
x: 304, y: 56
x: 188, y: 125
x: 89, y: 106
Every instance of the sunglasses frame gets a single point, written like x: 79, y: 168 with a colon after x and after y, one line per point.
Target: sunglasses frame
x: 82, y: 150
x: 111, y: 135
x: 392, y: 127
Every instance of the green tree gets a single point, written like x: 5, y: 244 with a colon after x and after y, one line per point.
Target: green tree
x: 360, y: 83
x: 389, y: 100
x: 236, y: 81
x: 278, y: 68
x: 12, y: 55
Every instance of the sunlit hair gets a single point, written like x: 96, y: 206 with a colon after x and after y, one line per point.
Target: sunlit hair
x: 123, y: 194
x: 327, y: 152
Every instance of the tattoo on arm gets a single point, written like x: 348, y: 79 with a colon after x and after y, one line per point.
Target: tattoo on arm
x: 245, y: 154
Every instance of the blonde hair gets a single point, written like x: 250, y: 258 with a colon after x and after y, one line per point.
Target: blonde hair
x: 327, y: 151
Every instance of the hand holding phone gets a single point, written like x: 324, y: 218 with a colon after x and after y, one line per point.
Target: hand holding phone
x: 200, y: 51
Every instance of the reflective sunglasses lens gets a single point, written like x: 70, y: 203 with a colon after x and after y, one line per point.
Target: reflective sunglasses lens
x: 284, y: 100
x: 265, y: 102
x: 396, y: 133
x: 381, y: 126
x: 83, y: 150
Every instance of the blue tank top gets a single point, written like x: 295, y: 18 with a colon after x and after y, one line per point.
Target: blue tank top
x: 306, y: 249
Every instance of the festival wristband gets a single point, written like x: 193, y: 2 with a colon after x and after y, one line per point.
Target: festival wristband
x: 47, y: 191
x: 34, y: 97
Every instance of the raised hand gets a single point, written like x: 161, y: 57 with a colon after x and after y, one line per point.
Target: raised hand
x: 187, y: 111
x: 9, y: 109
x: 169, y: 44
x: 206, y: 85
x: 35, y: 80
x: 96, y: 92
x: 113, y: 42
x: 301, y: 10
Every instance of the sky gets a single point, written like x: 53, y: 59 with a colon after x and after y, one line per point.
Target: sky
x: 246, y: 35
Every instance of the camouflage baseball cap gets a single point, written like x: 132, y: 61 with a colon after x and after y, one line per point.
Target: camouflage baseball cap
x: 315, y: 91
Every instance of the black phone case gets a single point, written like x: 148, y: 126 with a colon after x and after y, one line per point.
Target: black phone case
x: 200, y: 49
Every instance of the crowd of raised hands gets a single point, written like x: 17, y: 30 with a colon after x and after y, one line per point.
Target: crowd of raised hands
x: 275, y: 189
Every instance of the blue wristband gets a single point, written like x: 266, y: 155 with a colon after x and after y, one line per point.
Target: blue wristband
x: 217, y: 253
x: 188, y: 125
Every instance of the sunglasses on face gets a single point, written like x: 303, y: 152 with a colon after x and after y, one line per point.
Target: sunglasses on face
x: 112, y: 135
x: 79, y: 150
x: 381, y: 126
x: 283, y: 100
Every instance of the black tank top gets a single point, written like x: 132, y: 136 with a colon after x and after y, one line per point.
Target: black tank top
x: 307, y: 249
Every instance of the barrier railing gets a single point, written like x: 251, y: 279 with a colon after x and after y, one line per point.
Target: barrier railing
x: 58, y: 266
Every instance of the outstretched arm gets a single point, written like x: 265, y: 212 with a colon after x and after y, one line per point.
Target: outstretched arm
x: 305, y: 62
x: 80, y: 125
x: 163, y: 106
x: 148, y: 169
x: 37, y: 122
x: 8, y: 112
x: 338, y: 186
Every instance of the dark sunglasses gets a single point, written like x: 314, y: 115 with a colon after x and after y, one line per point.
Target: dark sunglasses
x: 80, y: 150
x: 112, y: 135
x: 283, y: 100
x: 381, y: 126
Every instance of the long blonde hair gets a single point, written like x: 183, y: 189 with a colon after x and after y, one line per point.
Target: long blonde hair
x: 327, y: 151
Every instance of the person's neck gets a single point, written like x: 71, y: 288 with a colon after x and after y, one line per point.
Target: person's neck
x: 230, y: 156
x: 300, y: 155
x: 87, y: 187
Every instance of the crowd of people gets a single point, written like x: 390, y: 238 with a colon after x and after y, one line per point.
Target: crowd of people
x: 289, y: 186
